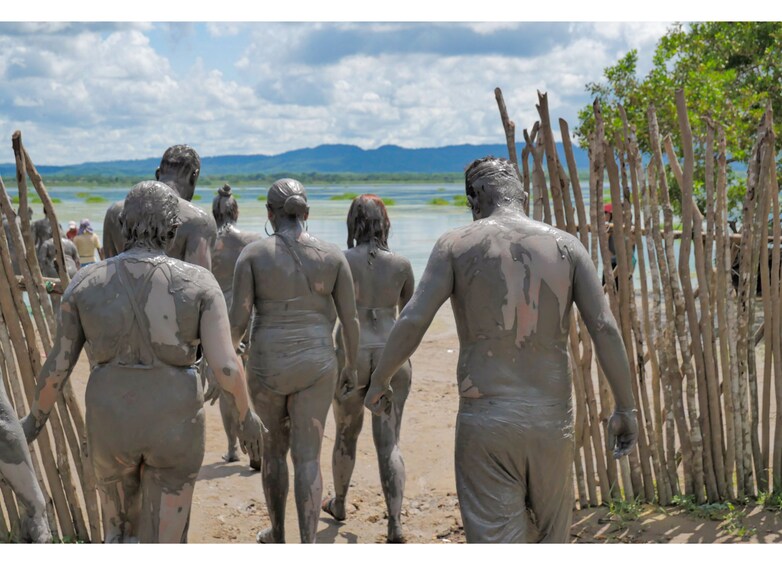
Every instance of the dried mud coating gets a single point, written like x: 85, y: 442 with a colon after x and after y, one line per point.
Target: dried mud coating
x: 144, y: 399
x: 47, y: 259
x: 512, y: 282
x: 229, y: 244
x: 196, y: 234
x: 16, y: 469
x: 297, y: 283
x: 383, y: 281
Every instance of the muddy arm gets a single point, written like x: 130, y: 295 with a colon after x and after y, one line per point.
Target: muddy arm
x: 241, y: 307
x: 435, y: 288
x: 591, y: 302
x: 62, y: 359
x: 407, y: 288
x: 199, y: 241
x: 221, y: 357
x: 345, y: 302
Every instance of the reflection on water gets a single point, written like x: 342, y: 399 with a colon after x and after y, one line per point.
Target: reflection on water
x: 415, y: 225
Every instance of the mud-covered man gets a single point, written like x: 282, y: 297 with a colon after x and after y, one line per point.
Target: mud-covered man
x: 512, y: 282
x: 179, y: 169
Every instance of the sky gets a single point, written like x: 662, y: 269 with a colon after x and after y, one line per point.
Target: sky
x: 98, y: 91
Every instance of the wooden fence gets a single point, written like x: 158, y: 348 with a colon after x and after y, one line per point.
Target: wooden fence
x: 60, y: 457
x: 704, y: 354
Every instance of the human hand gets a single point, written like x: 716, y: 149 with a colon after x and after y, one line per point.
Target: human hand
x: 378, y: 399
x: 213, y: 387
x: 622, y: 431
x: 347, y: 382
x: 251, y: 436
x: 30, y: 427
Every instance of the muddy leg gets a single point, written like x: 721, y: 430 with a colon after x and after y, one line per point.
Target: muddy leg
x: 385, y: 431
x: 550, y: 483
x: 120, y: 506
x: 308, y: 410
x: 17, y: 469
x: 231, y: 426
x: 273, y: 411
x: 349, y: 419
x: 166, y: 505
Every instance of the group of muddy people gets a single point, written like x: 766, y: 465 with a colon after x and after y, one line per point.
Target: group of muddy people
x: 187, y: 309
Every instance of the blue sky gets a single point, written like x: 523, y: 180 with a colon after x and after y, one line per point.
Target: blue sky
x: 102, y: 91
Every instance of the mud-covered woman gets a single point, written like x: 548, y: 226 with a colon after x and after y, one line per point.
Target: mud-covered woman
x: 383, y: 284
x: 144, y: 314
x: 229, y: 244
x: 298, y: 285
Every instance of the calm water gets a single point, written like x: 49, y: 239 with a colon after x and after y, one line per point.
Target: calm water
x: 415, y: 225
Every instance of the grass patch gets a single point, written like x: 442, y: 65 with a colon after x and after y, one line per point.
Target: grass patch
x: 344, y: 196
x: 389, y: 201
x: 262, y: 197
x: 770, y: 500
x: 460, y: 200
x: 731, y: 518
x: 197, y: 197
x: 95, y: 199
x: 438, y: 202
x: 83, y: 195
x: 624, y: 510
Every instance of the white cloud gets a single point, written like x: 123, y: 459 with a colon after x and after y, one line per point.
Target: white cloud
x: 100, y: 94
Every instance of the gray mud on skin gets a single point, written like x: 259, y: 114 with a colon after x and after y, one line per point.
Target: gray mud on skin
x: 383, y: 282
x: 229, y: 244
x: 179, y: 169
x: 512, y: 282
x: 144, y: 399
x: 298, y: 286
x: 16, y: 469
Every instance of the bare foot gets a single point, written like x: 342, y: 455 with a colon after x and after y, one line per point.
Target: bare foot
x: 231, y: 456
x: 266, y: 536
x: 36, y: 529
x: 333, y: 508
x: 395, y: 534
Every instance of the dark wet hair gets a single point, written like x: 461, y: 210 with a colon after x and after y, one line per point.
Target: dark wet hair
x: 179, y: 157
x: 150, y: 215
x: 500, y: 179
x: 225, y: 209
x: 288, y: 197
x: 368, y: 223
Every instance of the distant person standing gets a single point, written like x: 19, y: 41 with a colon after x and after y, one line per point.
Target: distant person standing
x: 73, y: 230
x: 87, y: 243
x: 229, y: 244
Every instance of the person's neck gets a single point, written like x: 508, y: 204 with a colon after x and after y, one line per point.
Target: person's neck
x: 174, y: 184
x: 506, y: 209
x: 289, y: 226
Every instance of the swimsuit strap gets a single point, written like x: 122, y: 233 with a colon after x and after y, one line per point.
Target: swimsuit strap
x: 296, y: 258
x: 139, y: 316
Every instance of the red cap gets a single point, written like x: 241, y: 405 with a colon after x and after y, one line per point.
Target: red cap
x: 608, y: 208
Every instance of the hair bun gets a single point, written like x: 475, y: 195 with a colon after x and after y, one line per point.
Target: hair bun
x: 224, y: 190
x: 295, y: 205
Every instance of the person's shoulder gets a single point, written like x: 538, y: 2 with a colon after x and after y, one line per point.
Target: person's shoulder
x: 87, y: 275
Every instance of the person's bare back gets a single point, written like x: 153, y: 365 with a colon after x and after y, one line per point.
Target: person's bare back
x: 512, y: 282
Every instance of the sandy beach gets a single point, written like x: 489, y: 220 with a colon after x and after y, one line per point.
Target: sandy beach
x: 229, y: 506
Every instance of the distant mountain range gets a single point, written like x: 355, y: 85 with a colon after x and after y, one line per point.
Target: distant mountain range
x: 320, y: 159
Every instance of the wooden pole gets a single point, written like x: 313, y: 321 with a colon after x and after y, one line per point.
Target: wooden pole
x: 551, y: 158
x: 692, y: 445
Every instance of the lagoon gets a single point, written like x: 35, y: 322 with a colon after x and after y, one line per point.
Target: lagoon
x: 415, y: 225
